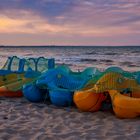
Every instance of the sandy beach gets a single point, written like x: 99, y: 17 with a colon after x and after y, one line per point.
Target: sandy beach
x: 23, y: 120
x: 99, y: 41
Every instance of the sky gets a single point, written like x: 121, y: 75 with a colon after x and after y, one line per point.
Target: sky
x: 70, y: 22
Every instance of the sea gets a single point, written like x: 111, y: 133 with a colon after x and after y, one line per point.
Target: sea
x: 80, y: 57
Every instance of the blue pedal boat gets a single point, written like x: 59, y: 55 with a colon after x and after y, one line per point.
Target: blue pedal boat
x: 62, y: 82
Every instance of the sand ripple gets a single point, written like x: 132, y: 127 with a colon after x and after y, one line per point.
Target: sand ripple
x: 22, y: 120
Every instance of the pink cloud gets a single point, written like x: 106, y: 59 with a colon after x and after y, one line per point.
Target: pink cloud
x: 73, y: 22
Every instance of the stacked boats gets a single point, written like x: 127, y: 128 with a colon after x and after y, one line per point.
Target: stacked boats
x: 90, y: 90
x: 19, y: 71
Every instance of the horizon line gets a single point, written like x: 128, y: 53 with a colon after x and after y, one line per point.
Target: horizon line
x: 69, y: 45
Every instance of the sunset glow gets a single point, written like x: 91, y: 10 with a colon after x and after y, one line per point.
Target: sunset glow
x: 73, y: 22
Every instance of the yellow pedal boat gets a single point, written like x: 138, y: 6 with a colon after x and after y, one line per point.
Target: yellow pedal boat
x: 90, y: 99
x: 125, y: 106
x: 11, y: 84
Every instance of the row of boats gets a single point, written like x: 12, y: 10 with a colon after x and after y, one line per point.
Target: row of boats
x: 40, y: 79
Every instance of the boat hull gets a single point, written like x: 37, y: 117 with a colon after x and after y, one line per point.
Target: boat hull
x: 4, y: 92
x: 125, y: 106
x: 88, y: 100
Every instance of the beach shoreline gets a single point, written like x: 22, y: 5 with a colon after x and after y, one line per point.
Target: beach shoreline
x: 23, y: 120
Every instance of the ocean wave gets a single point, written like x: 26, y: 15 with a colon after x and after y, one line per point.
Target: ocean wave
x: 111, y: 53
x: 88, y: 60
x: 129, y: 64
x: 135, y: 51
x: 90, y: 53
x: 28, y: 54
x: 106, y: 60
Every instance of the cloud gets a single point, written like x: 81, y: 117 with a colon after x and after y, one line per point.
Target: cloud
x: 33, y: 25
x: 86, y: 11
x: 104, y: 19
x: 48, y: 8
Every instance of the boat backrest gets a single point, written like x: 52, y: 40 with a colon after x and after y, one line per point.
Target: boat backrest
x: 16, y: 64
